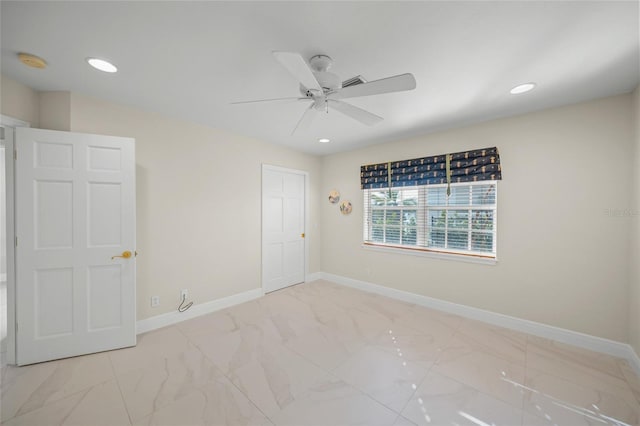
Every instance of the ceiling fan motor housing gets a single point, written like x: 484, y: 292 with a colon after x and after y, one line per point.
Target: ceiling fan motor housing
x: 327, y: 80
x: 320, y: 65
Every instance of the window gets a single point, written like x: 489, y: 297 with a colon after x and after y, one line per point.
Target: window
x: 425, y: 218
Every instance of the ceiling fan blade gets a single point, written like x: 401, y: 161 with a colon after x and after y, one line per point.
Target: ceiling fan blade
x: 272, y: 100
x: 365, y: 117
x: 397, y: 83
x: 297, y: 66
x: 306, y: 119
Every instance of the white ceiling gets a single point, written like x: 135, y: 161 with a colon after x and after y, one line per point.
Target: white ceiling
x: 191, y: 59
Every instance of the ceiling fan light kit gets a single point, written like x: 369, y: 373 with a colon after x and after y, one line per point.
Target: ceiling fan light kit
x: 325, y: 89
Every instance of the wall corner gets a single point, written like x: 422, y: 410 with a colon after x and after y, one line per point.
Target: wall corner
x: 19, y: 101
x: 634, y: 275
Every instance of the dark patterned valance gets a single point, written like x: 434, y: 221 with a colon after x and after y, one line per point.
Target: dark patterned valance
x: 468, y: 166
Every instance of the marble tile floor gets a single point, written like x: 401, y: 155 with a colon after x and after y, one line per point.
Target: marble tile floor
x: 323, y: 354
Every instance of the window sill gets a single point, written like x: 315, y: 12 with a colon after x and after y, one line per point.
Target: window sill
x: 431, y: 254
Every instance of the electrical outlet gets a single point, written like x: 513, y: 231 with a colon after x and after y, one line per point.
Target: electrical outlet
x: 184, y: 294
x: 155, y: 301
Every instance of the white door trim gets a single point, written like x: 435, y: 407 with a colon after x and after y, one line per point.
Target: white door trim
x: 5, y: 120
x: 11, y: 122
x: 306, y: 216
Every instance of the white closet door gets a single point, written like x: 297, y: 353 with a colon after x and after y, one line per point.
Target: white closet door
x: 283, y: 247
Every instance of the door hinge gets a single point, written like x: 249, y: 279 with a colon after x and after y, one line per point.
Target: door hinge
x: 15, y: 154
x: 16, y: 241
x: 2, y: 133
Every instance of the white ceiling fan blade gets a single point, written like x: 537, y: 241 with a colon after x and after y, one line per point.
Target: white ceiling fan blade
x: 298, y: 67
x: 306, y: 119
x: 397, y: 83
x: 272, y: 100
x: 365, y: 117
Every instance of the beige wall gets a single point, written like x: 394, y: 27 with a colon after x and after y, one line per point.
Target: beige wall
x: 45, y: 110
x: 198, y: 194
x: 634, y: 291
x: 55, y: 111
x: 562, y: 260
x: 198, y: 202
x: 19, y: 101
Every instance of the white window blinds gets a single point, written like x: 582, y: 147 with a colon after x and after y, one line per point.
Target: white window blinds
x: 425, y: 218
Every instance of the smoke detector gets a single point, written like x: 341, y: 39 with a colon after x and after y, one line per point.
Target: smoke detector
x: 32, y: 60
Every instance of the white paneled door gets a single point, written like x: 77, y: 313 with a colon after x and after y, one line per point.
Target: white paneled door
x: 283, y: 220
x: 75, y: 211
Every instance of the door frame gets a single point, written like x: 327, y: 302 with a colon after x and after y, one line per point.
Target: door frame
x: 304, y: 173
x: 11, y: 122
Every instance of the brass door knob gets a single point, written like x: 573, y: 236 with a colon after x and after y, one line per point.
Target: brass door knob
x: 302, y: 235
x: 125, y: 255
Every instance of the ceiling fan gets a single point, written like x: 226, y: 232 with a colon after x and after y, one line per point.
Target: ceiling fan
x: 325, y: 90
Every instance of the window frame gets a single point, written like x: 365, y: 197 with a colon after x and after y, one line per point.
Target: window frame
x: 423, y: 229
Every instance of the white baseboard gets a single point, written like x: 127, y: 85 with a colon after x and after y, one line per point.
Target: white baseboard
x: 586, y: 341
x: 163, y: 320
x: 313, y: 276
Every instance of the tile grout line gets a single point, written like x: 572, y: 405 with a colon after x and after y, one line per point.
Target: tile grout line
x: 225, y: 375
x: 48, y: 376
x: 450, y: 338
x: 113, y: 370
x: 283, y: 343
x: 75, y: 406
x: 479, y: 390
x: 46, y: 405
x: 370, y: 345
x: 362, y: 392
x: 482, y: 347
x: 625, y: 383
x: 526, y: 374
x: 572, y: 382
x: 627, y: 379
x: 331, y: 371
x: 415, y: 391
x: 282, y: 291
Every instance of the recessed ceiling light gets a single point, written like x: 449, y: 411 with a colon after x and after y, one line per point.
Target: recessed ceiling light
x: 102, y: 65
x: 324, y: 140
x: 522, y: 88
